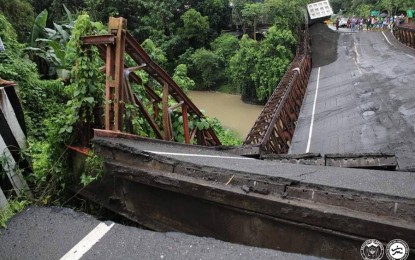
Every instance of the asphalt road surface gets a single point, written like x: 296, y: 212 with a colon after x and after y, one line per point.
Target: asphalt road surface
x: 360, y: 97
x: 60, y: 233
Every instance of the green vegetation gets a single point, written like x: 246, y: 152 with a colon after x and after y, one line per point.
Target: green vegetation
x: 61, y: 85
x: 21, y: 13
x: 363, y: 7
x: 16, y: 205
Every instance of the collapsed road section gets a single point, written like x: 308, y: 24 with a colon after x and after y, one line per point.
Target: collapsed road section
x: 294, y: 208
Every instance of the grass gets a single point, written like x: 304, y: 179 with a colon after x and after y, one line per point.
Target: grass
x: 15, y: 206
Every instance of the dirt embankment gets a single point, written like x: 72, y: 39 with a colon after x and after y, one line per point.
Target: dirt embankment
x: 323, y: 44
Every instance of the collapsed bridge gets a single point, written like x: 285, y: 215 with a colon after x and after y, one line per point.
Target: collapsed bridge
x: 210, y: 190
x: 213, y: 191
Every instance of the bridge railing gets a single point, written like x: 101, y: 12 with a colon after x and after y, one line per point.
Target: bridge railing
x: 274, y: 128
x: 405, y: 34
x: 12, y: 140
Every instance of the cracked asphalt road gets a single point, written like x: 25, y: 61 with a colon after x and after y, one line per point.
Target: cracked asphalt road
x: 366, y: 96
x: 49, y: 233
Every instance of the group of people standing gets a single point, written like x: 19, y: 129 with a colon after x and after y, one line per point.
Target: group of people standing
x: 382, y: 23
x: 372, y: 23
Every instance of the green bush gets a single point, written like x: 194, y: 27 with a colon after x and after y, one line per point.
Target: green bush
x: 20, y: 12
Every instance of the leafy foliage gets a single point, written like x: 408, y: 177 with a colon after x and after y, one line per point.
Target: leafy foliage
x: 274, y: 57
x: 21, y: 13
x: 195, y: 27
x: 181, y: 78
x: 251, y: 13
x: 94, y: 169
x: 242, y: 68
x: 83, y: 96
x: 39, y: 98
x: 155, y: 53
x: 206, y: 65
x: 47, y: 46
x: 16, y: 205
x: 363, y: 7
x: 226, y: 136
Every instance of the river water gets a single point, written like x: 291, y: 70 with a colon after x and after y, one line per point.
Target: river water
x: 229, y: 109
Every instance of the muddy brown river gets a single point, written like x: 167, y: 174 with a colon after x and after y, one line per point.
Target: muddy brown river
x: 229, y: 109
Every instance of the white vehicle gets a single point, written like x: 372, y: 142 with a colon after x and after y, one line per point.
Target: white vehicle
x: 343, y: 22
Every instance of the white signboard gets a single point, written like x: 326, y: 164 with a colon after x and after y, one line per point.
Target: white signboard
x: 319, y: 9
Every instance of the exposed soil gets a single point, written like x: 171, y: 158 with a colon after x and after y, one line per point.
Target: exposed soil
x: 323, y: 44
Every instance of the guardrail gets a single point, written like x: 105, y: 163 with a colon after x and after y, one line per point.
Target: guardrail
x: 405, y: 34
x: 274, y: 128
x: 12, y: 140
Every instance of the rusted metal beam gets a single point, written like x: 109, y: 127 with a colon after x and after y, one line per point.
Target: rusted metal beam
x: 185, y: 124
x: 109, y: 86
x: 168, y: 135
x: 119, y: 70
x: 98, y: 39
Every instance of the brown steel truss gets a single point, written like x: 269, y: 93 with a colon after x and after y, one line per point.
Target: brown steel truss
x: 274, y: 128
x: 113, y: 48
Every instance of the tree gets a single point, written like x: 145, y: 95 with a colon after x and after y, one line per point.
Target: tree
x: 237, y: 19
x: 274, y: 57
x: 195, y: 27
x: 252, y: 13
x: 363, y: 10
x: 218, y: 11
x: 225, y: 46
x: 206, y: 64
x: 181, y: 78
x: 47, y: 46
x: 242, y: 68
x: 286, y: 14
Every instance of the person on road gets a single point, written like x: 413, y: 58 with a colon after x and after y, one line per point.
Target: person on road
x: 353, y: 24
x: 391, y: 23
x: 373, y: 22
x: 368, y: 23
x: 337, y: 23
x: 385, y: 23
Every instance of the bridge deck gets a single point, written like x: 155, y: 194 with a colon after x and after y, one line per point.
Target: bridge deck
x: 204, y: 191
x: 365, y: 98
x: 396, y: 184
